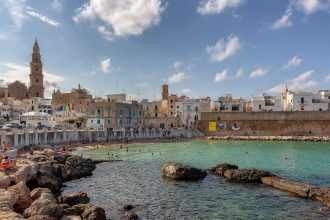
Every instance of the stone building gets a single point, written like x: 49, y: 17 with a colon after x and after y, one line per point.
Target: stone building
x: 17, y: 90
x: 71, y: 104
x: 113, y: 115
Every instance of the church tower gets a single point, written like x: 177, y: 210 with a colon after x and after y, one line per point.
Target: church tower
x: 36, y: 88
x: 165, y: 92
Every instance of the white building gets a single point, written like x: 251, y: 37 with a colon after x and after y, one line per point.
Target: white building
x: 267, y: 103
x: 304, y: 101
x: 228, y: 104
x: 189, y: 110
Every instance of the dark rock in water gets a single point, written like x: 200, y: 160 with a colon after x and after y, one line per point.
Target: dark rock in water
x: 94, y: 213
x: 301, y: 189
x: 221, y: 168
x: 74, y: 198
x: 246, y: 175
x: 178, y: 171
x: 321, y: 194
x: 76, y: 167
x: 131, y: 215
x: 128, y: 207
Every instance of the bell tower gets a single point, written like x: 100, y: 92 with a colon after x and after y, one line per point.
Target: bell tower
x: 165, y: 92
x: 36, y: 88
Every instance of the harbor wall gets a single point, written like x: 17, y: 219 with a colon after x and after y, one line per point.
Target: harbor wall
x: 265, y: 123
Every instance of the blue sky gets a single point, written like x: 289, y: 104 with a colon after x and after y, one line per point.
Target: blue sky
x: 199, y: 47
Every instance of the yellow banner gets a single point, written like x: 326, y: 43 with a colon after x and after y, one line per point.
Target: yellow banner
x: 212, y: 126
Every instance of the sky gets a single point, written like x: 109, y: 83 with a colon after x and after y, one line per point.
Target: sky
x: 199, y: 47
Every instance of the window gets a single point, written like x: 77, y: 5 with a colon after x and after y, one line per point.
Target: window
x: 222, y: 108
x: 329, y: 97
x: 109, y: 121
x: 98, y: 121
x: 155, y: 107
x: 177, y: 106
x: 156, y: 115
x: 171, y: 101
x: 320, y: 109
x: 302, y: 100
x: 37, y: 94
x: 171, y: 106
x: 37, y: 80
x: 235, y: 108
x: 259, y: 106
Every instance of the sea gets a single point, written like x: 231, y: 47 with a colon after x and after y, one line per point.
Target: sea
x: 137, y: 180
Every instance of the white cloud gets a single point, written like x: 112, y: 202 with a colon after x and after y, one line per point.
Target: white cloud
x: 186, y: 91
x: 43, y: 18
x: 105, y: 65
x: 327, y: 78
x: 57, y: 6
x: 108, y: 35
x: 16, y: 10
x: 207, y: 7
x: 141, y: 85
x: 176, y: 78
x: 298, y: 83
x: 258, y: 72
x: 10, y: 72
x: 310, y: 6
x: 125, y: 17
x: 239, y: 73
x: 219, y: 77
x: 294, y: 61
x: 178, y: 64
x: 284, y: 21
x: 223, y: 50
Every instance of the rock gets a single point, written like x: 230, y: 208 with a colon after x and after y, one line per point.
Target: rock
x: 71, y: 217
x: 26, y: 173
x: 74, y: 198
x: 49, y: 152
x: 37, y: 158
x: 44, y: 205
x: 10, y: 215
x: 76, y: 167
x: 4, y: 182
x: 58, y: 170
x: 128, y: 207
x: 131, y: 215
x: 246, y: 175
x: 76, y: 209
x: 46, y: 177
x: 221, y: 168
x: 7, y: 200
x: 301, y: 189
x: 41, y: 217
x: 23, y: 198
x: 320, y: 194
x: 36, y: 193
x: 94, y: 213
x: 60, y: 158
x: 178, y: 171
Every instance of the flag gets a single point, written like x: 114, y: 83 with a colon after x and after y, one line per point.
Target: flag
x: 60, y: 108
x: 65, y: 109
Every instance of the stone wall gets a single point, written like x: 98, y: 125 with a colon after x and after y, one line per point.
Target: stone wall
x: 267, y: 123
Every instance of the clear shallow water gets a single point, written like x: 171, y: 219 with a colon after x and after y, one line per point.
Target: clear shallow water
x: 138, y: 180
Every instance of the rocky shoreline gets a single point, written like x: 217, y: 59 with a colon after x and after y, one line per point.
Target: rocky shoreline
x: 230, y: 172
x: 33, y: 190
x: 272, y: 138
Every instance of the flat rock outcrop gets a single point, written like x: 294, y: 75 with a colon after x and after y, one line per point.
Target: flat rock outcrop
x: 221, y: 168
x: 320, y: 194
x: 178, y: 171
x: 246, y: 175
x: 76, y: 167
x: 301, y: 189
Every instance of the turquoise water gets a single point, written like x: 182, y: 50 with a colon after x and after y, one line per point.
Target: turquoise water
x: 138, y: 180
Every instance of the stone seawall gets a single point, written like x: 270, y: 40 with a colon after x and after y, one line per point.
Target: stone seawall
x: 265, y: 123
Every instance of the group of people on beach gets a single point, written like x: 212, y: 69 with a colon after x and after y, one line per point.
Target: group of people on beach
x: 6, y: 162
